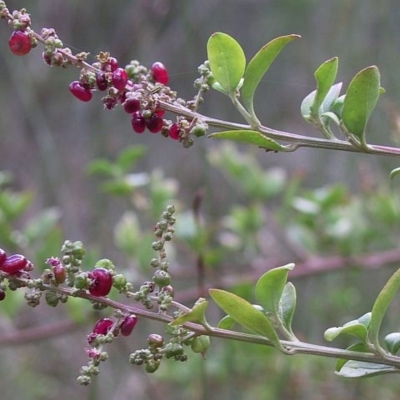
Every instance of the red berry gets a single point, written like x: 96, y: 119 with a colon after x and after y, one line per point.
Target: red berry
x: 128, y: 324
x: 159, y: 73
x: 14, y: 264
x: 103, y: 326
x: 110, y: 65
x: 3, y: 257
x: 109, y: 102
x: 174, y: 131
x: 101, y: 81
x: 119, y: 78
x: 46, y: 58
x: 80, y: 92
x: 138, y: 122
x: 20, y: 43
x: 160, y: 112
x: 131, y: 105
x: 101, y: 282
x: 154, y: 123
x: 60, y: 274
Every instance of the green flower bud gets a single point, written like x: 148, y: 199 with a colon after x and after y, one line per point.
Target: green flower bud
x: 119, y: 281
x: 161, y: 278
x: 82, y: 281
x: 105, y: 263
x: 200, y: 344
x: 173, y: 350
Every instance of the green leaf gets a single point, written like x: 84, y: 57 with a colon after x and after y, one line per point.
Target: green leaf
x: 359, y: 369
x: 259, y: 65
x: 330, y: 116
x: 360, y: 347
x: 270, y: 286
x: 227, y: 61
x: 129, y: 156
x: 287, y: 306
x: 196, y: 314
x: 357, y: 327
x: 325, y: 76
x: 249, y: 137
x: 246, y: 315
x: 227, y: 322
x: 361, y: 98
x: 331, y: 97
x: 41, y: 224
x: 101, y: 166
x: 351, y: 328
x: 392, y: 342
x: 380, y: 307
x: 394, y: 173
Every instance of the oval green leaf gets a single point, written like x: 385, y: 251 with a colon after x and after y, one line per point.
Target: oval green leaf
x: 259, y: 65
x: 325, y: 76
x: 249, y: 137
x: 227, y: 61
x: 359, y: 369
x: 269, y: 288
x: 287, y: 306
x: 196, y: 314
x: 361, y: 98
x: 360, y: 347
x: 246, y: 315
x: 227, y: 322
x: 394, y: 172
x: 351, y: 328
x: 392, y: 342
x: 380, y: 307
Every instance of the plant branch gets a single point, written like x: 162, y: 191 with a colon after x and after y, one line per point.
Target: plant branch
x: 298, y: 140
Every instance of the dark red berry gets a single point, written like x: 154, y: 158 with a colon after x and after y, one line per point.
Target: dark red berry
x: 29, y: 266
x: 3, y: 257
x: 109, y: 102
x: 174, y: 131
x: 81, y: 93
x: 14, y: 264
x: 101, y: 81
x: 101, y: 282
x: 2, y: 295
x: 128, y: 324
x: 46, y: 58
x: 110, y: 65
x: 119, y: 78
x: 160, y: 112
x: 20, y: 43
x: 154, y: 123
x: 131, y: 105
x: 159, y: 73
x: 60, y: 274
x: 103, y: 326
x: 138, y: 122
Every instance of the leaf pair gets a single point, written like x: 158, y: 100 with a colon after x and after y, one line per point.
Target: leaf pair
x: 367, y: 330
x: 228, y: 65
x: 350, y: 112
x: 277, y: 300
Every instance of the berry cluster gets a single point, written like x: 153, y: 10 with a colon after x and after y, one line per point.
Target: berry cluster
x: 13, y: 266
x: 104, y: 332
x: 140, y: 91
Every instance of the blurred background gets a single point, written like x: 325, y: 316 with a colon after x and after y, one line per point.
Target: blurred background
x: 296, y: 206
